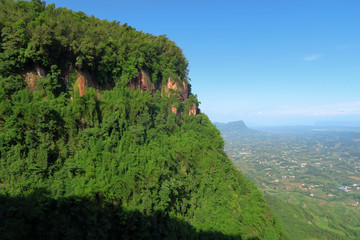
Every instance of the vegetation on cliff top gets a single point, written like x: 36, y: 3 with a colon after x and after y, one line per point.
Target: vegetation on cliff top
x: 117, y: 165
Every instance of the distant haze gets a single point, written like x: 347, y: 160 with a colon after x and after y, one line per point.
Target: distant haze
x: 241, y: 125
x: 339, y: 123
x: 294, y: 121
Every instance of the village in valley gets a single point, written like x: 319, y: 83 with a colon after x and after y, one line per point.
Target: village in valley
x: 319, y: 164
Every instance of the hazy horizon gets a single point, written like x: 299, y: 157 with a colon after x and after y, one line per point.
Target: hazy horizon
x: 350, y: 124
x: 264, y: 62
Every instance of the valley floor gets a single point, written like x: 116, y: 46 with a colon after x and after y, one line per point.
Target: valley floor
x: 310, y: 178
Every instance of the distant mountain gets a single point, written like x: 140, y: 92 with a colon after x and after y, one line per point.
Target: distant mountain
x: 233, y: 127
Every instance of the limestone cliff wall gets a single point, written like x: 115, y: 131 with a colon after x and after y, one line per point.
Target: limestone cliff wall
x: 143, y: 82
x: 180, y: 88
x: 84, y: 81
x: 31, y: 79
x: 193, y: 110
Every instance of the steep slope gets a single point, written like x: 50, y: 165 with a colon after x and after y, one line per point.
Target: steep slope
x: 100, y: 137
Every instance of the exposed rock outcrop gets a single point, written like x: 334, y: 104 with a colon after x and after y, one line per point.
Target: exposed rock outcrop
x: 31, y: 79
x: 193, y: 110
x: 178, y: 87
x: 143, y: 82
x: 174, y: 110
x: 84, y: 81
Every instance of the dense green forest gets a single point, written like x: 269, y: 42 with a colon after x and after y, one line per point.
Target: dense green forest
x: 97, y: 159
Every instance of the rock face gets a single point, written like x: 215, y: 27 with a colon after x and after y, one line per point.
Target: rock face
x: 31, y: 80
x: 193, y: 110
x: 181, y: 88
x: 174, y: 110
x: 84, y: 81
x: 142, y: 82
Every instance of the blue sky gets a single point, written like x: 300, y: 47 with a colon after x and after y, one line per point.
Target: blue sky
x: 267, y: 62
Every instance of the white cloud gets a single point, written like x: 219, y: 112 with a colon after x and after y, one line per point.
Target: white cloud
x: 313, y: 57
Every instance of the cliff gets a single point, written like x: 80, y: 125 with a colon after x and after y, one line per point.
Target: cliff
x: 143, y: 82
x: 97, y: 116
x: 83, y: 82
x: 179, y: 88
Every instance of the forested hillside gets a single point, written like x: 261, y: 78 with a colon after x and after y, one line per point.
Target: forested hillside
x: 101, y: 138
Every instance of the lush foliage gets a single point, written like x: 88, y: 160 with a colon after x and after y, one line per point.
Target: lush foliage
x: 122, y: 161
x: 32, y: 34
